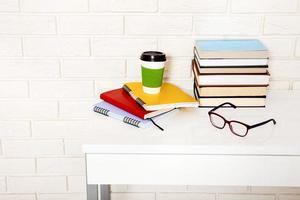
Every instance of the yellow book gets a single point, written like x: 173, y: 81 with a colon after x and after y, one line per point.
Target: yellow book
x: 170, y: 96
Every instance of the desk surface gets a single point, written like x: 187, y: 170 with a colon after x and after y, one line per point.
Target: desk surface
x: 188, y: 131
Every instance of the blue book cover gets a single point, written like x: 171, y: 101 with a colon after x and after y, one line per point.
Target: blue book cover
x: 110, y: 110
x: 230, y: 45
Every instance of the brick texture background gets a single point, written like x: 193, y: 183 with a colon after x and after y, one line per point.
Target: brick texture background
x: 56, y: 56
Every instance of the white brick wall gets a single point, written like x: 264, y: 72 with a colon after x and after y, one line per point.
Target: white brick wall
x: 176, y: 46
x: 17, y: 197
x: 91, y: 24
x: 28, y: 109
x: 65, y: 46
x: 298, y: 48
x: 54, y: 6
x: 61, y: 89
x: 14, y: 129
x: 158, y: 25
x: 14, y: 166
x: 31, y: 148
x: 192, y: 6
x: 289, y: 197
x: 122, y: 46
x: 65, y: 129
x: 76, y: 183
x: 73, y: 196
x: 28, y: 69
x: 246, y: 197
x: 296, y: 85
x: 264, y: 6
x: 61, y: 166
x: 227, y: 25
x: 123, y: 5
x: 185, y: 196
x: 9, y: 5
x: 282, y: 25
x: 57, y: 56
x: 133, y: 196
x: 10, y: 46
x: 42, y: 184
x: 2, y: 184
x: 13, y: 89
x: 27, y: 24
x: 75, y: 109
x: 93, y: 68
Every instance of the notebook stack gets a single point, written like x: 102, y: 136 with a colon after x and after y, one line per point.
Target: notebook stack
x: 131, y: 105
x: 233, y: 71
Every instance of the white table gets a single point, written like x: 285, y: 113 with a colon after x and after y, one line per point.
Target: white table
x: 192, y: 152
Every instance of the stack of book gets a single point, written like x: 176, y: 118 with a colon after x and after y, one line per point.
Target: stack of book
x: 233, y: 71
x: 132, y: 106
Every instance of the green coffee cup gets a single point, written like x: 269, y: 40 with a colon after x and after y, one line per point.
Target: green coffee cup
x: 153, y: 65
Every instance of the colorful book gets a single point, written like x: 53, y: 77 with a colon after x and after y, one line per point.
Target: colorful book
x: 229, y: 69
x: 110, y: 110
x: 170, y: 96
x: 240, y: 102
x: 231, y: 49
x: 232, y: 62
x: 121, y: 99
x: 230, y: 79
x: 237, y: 91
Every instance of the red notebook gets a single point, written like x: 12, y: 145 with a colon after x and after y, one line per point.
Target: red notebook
x: 121, y: 99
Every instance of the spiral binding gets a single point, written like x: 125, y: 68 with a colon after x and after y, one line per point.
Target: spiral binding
x: 100, y: 110
x: 131, y: 121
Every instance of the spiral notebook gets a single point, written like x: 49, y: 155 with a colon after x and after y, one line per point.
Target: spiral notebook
x: 110, y: 110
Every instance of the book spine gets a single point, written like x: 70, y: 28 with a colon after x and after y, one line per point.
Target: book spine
x: 236, y: 66
x: 212, y: 97
x: 196, y: 93
x: 201, y: 106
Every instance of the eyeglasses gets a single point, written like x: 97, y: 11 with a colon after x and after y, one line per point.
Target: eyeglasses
x: 237, y: 128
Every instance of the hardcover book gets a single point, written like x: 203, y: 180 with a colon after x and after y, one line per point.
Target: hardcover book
x: 170, y: 97
x: 237, y: 79
x: 120, y: 98
x: 232, y: 91
x: 236, y: 100
x: 231, y: 49
x: 240, y: 102
x: 222, y: 66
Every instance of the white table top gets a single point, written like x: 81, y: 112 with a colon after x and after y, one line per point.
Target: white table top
x: 189, y: 131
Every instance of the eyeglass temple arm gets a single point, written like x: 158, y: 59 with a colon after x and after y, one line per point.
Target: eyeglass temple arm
x: 219, y: 106
x: 262, y: 123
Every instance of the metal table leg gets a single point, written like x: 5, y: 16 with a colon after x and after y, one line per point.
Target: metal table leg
x: 105, y: 192
x: 92, y: 192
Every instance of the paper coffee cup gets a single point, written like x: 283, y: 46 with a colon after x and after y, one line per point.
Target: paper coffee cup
x: 153, y: 64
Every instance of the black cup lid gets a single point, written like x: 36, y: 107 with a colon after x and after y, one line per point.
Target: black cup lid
x: 153, y: 56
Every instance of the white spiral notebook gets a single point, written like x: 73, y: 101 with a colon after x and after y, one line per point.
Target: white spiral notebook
x: 110, y: 110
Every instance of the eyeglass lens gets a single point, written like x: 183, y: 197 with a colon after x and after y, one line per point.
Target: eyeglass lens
x: 217, y: 121
x: 236, y: 127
